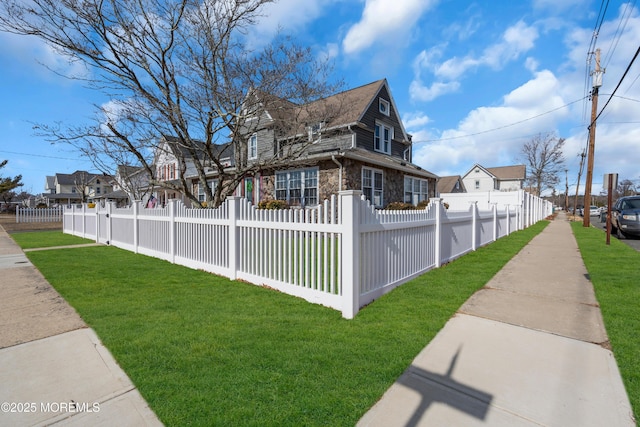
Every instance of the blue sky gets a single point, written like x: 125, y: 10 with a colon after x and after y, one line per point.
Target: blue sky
x: 473, y: 81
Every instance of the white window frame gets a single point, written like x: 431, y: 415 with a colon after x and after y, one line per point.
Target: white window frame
x: 477, y: 184
x: 384, y: 106
x: 372, y: 192
x: 301, y: 180
x: 314, y: 131
x: 252, y: 147
x: 381, y: 139
x: 415, y: 190
x: 213, y: 183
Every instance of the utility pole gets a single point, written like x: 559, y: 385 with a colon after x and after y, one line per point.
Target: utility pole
x: 597, y: 82
x: 566, y: 190
x: 575, y: 203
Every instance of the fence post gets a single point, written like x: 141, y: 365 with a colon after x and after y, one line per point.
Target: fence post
x: 437, y: 204
x: 494, y: 208
x: 350, y: 254
x: 97, y: 214
x: 234, y: 246
x: 136, y: 209
x: 109, y: 221
x: 84, y: 220
x: 474, y: 225
x: 172, y: 231
x: 508, y: 219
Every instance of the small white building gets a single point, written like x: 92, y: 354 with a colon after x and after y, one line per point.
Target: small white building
x: 504, y: 178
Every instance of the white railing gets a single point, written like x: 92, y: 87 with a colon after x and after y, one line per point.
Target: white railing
x: 342, y: 254
x: 39, y: 214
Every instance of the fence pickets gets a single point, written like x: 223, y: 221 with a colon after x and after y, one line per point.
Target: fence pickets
x: 39, y: 214
x: 342, y: 254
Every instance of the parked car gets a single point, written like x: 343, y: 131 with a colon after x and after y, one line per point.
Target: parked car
x: 625, y: 216
x: 593, y: 211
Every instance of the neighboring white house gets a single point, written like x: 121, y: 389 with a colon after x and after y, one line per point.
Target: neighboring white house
x: 76, y: 187
x: 504, y: 178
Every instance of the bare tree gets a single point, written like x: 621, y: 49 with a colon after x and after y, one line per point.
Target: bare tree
x: 626, y: 187
x: 178, y: 68
x: 544, y: 160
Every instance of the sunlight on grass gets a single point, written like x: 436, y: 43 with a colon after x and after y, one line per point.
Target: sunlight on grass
x: 204, y: 350
x: 613, y: 271
x: 47, y: 239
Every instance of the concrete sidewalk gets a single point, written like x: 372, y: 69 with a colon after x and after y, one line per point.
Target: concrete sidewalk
x: 529, y: 349
x: 53, y: 368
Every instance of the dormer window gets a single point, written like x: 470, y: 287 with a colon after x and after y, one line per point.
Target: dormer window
x: 314, y: 130
x: 383, y: 106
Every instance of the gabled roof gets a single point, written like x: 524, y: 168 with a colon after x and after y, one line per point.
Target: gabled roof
x: 446, y: 184
x: 339, y: 110
x: 218, y: 150
x: 502, y: 173
x: 76, y: 178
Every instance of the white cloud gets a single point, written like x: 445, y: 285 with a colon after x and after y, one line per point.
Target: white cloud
x: 487, y: 135
x: 382, y: 19
x: 412, y: 120
x: 515, y: 41
x: 287, y: 15
x: 419, y: 92
x: 38, y: 57
x: 541, y: 105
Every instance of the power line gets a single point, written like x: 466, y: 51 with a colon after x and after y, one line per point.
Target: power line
x: 501, y: 127
x: 39, y: 155
x: 618, y: 85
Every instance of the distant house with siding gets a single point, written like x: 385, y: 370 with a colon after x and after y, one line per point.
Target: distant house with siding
x: 450, y: 184
x: 76, y: 187
x: 503, y: 178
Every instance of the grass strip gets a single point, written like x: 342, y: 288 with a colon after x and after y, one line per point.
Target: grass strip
x: 47, y: 239
x: 613, y: 271
x: 204, y: 350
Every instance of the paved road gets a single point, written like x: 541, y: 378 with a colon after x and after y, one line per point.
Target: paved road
x: 634, y: 242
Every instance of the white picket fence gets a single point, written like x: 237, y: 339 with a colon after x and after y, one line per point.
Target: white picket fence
x: 39, y: 214
x: 342, y: 254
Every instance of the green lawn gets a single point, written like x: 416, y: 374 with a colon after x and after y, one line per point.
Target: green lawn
x: 47, y: 239
x: 614, y: 272
x: 204, y: 350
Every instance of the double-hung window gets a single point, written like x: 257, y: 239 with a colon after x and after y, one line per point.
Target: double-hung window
x: 372, y: 186
x: 415, y: 190
x: 298, y: 187
x: 253, y: 147
x: 382, y: 138
x: 213, y: 183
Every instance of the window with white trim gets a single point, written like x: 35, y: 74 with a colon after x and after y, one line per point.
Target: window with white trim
x: 213, y: 183
x: 384, y: 106
x: 415, y: 190
x: 477, y: 184
x: 382, y: 138
x: 372, y: 186
x: 314, y: 130
x: 253, y: 147
x: 298, y: 187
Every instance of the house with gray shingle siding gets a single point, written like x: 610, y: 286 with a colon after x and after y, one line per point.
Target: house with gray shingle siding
x: 360, y: 144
